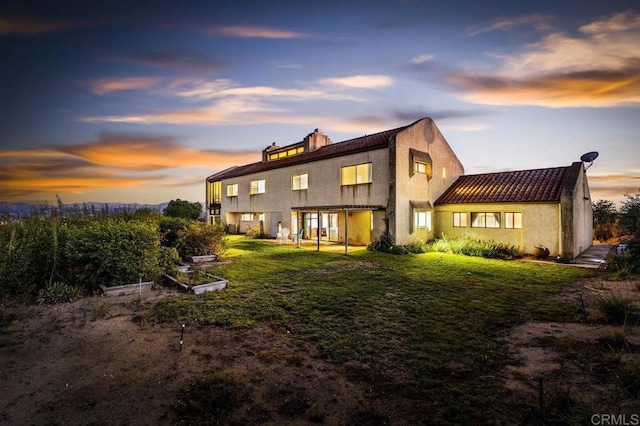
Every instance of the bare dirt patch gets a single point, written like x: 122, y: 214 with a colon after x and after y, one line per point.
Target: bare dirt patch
x: 575, y: 361
x: 95, y: 362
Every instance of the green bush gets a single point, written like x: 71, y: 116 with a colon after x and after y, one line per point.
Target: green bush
x: 170, y: 228
x: 168, y: 260
x: 58, y: 292
x: 385, y: 244
x: 27, y: 252
x: 112, y: 252
x: 202, y: 240
x: 474, y: 247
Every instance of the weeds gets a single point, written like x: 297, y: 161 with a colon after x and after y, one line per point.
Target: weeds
x: 58, y: 292
x: 616, y: 308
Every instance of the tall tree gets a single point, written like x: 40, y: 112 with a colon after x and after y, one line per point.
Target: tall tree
x: 184, y: 209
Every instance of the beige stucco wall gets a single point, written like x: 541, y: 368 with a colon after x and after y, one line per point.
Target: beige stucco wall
x: 324, y: 189
x: 540, y: 225
x: 423, y: 136
x: 582, y: 214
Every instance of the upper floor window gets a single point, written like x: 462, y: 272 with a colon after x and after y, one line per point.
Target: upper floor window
x: 460, y: 220
x: 513, y: 220
x: 420, y: 167
x: 485, y: 220
x: 257, y: 187
x: 422, y: 219
x: 300, y: 181
x: 232, y: 190
x: 355, y: 175
x: 286, y: 153
x: 214, y: 192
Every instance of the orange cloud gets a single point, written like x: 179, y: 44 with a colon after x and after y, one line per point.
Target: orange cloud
x: 598, y: 67
x: 255, y: 32
x: 113, y: 161
x: 109, y: 85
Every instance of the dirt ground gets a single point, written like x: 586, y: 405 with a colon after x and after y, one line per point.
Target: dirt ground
x: 96, y: 361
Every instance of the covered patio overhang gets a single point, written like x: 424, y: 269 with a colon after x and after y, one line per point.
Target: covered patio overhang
x: 334, y: 208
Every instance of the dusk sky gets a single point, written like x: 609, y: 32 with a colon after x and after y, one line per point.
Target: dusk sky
x: 140, y: 101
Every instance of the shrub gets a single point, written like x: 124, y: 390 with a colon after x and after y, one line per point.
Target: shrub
x: 202, y: 240
x: 616, y: 308
x: 168, y: 259
x: 253, y: 232
x: 385, y: 244
x: 29, y: 250
x: 58, y: 292
x: 474, y: 247
x: 112, y: 252
x: 170, y: 228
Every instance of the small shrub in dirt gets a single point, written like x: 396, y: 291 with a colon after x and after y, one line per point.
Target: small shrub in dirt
x: 208, y: 401
x: 629, y: 379
x: 615, y: 341
x: 617, y: 309
x: 58, y: 292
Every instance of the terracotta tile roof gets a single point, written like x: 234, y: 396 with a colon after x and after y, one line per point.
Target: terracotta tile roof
x: 523, y: 186
x: 363, y: 143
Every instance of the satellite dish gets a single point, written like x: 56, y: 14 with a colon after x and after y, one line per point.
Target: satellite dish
x: 588, y: 158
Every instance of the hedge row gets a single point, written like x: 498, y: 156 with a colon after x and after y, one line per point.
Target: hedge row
x: 37, y: 252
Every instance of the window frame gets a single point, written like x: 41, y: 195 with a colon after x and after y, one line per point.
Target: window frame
x: 462, y: 220
x: 428, y: 225
x: 231, y: 186
x: 255, y: 188
x: 356, y: 174
x: 496, y: 215
x: 513, y: 220
x: 243, y: 217
x: 299, y: 175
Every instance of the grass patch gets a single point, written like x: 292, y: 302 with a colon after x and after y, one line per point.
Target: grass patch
x: 414, y: 314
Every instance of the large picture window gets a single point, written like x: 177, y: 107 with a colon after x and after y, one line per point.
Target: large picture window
x: 485, y: 220
x: 257, y: 187
x: 459, y: 220
x: 232, y: 190
x: 357, y: 174
x: 513, y: 220
x: 300, y: 181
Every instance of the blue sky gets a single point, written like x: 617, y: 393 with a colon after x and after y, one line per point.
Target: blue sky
x: 140, y: 101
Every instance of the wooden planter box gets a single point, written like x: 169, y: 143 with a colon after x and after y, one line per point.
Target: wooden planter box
x: 207, y: 258
x: 123, y: 290
x: 217, y: 283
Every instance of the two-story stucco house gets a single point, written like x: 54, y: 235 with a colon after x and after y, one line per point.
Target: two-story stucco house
x: 346, y: 192
x: 407, y: 180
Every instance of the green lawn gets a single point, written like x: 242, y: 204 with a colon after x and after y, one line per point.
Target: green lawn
x: 435, y: 319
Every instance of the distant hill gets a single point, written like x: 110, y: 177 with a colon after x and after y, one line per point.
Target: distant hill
x: 26, y: 209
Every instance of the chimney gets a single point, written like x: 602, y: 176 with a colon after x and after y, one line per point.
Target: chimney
x: 316, y: 140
